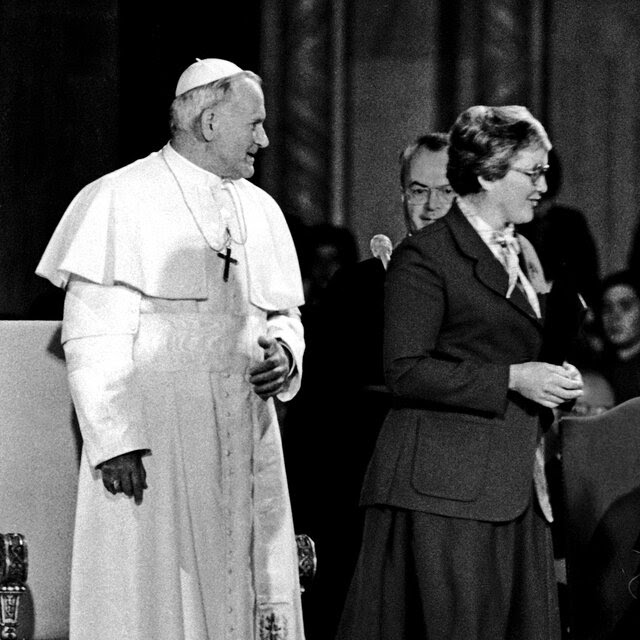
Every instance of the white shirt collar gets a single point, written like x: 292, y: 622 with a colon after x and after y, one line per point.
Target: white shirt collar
x: 189, y: 171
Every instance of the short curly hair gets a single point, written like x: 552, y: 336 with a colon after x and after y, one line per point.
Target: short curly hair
x: 484, y: 140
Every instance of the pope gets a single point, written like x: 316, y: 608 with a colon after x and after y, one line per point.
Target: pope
x: 181, y: 325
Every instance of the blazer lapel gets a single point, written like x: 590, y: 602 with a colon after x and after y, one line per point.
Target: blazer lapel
x: 488, y: 269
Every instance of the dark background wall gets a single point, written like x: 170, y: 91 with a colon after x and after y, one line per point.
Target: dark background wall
x: 85, y: 87
x: 157, y: 41
x: 59, y: 124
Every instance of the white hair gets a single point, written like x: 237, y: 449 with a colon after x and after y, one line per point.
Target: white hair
x: 187, y: 108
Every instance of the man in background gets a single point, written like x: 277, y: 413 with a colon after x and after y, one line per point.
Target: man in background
x: 180, y: 327
x: 335, y: 420
x: 355, y: 298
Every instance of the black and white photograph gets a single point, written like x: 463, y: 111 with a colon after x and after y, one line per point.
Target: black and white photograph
x: 320, y: 320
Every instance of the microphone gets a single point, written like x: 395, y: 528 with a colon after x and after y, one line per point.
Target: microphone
x: 381, y: 248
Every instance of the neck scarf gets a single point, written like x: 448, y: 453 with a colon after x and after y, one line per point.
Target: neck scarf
x: 505, y: 245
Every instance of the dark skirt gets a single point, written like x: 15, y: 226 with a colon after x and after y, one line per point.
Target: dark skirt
x: 427, y: 577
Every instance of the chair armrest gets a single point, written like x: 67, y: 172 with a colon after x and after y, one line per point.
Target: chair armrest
x: 13, y: 579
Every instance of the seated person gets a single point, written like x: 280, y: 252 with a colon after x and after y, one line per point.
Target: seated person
x: 597, y: 395
x: 620, y: 319
x: 567, y: 250
x: 563, y: 240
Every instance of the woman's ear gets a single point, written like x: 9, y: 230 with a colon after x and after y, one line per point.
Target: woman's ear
x: 487, y: 185
x: 208, y: 124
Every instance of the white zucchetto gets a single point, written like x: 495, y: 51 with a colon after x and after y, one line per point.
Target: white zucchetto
x: 205, y: 71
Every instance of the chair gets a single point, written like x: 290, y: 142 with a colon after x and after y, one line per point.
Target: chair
x: 13, y: 578
x: 39, y: 451
x: 601, y: 509
x: 307, y: 560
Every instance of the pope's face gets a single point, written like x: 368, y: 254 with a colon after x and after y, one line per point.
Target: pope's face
x: 239, y: 131
x: 515, y: 197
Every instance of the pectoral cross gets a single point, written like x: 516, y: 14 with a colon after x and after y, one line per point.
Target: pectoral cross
x: 228, y: 260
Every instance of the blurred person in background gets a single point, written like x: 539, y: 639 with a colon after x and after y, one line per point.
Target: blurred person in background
x: 562, y: 238
x: 620, y: 320
x: 344, y: 404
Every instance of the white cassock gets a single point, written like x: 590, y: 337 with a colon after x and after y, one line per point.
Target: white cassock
x: 158, y: 346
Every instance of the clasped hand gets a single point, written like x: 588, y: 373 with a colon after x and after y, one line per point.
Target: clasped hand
x: 547, y: 384
x: 269, y: 376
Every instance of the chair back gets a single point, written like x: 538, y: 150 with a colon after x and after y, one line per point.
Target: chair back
x: 601, y: 514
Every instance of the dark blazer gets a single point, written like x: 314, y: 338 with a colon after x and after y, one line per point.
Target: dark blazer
x: 456, y: 442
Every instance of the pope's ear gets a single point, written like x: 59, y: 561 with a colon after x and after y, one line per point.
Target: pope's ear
x: 208, y: 124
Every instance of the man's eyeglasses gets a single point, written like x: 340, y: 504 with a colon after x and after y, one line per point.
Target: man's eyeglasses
x: 422, y: 195
x: 535, y: 174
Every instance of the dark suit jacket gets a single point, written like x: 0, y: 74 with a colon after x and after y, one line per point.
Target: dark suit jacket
x: 456, y: 442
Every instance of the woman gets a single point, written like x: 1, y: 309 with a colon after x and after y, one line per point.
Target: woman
x: 456, y: 546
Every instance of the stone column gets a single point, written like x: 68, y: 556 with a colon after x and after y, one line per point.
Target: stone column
x: 301, y: 68
x: 307, y: 112
x: 492, y: 53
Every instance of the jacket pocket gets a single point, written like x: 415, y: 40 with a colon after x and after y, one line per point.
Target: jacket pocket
x: 451, y: 455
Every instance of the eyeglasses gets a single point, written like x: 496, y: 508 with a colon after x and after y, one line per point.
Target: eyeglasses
x: 422, y: 195
x: 535, y: 174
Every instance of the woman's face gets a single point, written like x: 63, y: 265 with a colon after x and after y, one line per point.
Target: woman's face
x: 621, y: 316
x: 515, y: 197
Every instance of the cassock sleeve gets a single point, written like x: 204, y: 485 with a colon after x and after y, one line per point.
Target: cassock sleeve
x: 99, y: 326
x: 287, y: 326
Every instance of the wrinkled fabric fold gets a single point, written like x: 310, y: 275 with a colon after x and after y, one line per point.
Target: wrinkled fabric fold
x: 162, y: 235
x: 210, y: 553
